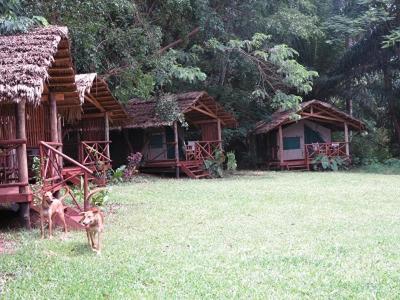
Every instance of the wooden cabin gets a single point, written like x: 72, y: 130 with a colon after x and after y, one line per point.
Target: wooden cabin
x: 168, y: 146
x: 37, y: 89
x: 91, y: 133
x: 41, y: 104
x: 290, y: 142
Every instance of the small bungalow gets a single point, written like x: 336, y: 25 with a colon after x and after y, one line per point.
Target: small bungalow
x: 36, y: 75
x: 168, y: 146
x: 92, y: 131
x: 286, y: 142
x: 40, y: 101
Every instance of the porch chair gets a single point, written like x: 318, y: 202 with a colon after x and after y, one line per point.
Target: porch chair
x: 190, y: 150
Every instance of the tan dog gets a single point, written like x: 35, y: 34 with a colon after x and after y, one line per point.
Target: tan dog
x: 50, y: 207
x: 93, y: 220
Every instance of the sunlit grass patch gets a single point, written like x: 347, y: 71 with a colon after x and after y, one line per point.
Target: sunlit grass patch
x: 255, y: 235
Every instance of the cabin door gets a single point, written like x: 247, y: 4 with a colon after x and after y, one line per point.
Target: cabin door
x: 157, y: 146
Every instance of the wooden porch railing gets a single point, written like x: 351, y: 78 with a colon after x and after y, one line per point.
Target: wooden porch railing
x: 52, y: 175
x: 334, y: 149
x: 9, y: 173
x: 95, y: 154
x: 203, y: 150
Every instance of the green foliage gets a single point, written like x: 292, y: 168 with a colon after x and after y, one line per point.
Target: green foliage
x: 117, y: 175
x: 231, y: 164
x: 13, y: 20
x: 389, y: 166
x: 277, y: 68
x: 370, y: 147
x: 36, y: 168
x: 167, y: 109
x: 329, y: 163
x: 101, y: 197
x: 216, y: 166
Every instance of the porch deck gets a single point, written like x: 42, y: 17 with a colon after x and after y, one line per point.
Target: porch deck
x: 12, y: 194
x: 192, y: 168
x: 312, y: 151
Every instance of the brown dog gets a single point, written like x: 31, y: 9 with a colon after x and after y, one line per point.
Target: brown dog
x: 93, y: 220
x: 50, y: 207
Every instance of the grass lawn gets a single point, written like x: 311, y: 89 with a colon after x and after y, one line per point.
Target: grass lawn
x: 258, y: 235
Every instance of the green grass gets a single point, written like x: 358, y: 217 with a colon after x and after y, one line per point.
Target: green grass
x: 258, y: 235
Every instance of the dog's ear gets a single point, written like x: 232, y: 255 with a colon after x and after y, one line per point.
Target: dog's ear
x: 95, y: 210
x: 82, y: 213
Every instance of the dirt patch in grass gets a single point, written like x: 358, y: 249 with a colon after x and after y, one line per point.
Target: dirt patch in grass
x: 6, y: 246
x: 4, y: 278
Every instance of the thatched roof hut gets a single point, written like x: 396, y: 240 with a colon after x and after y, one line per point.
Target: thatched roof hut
x: 95, y: 96
x: 282, y: 117
x: 35, y: 64
x: 142, y: 114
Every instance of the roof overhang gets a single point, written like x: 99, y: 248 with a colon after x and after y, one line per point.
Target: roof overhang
x: 313, y: 110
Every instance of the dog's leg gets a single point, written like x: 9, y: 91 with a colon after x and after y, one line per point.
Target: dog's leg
x: 62, y: 217
x: 50, y: 226
x: 92, y: 246
x: 41, y: 225
x: 88, y: 238
x: 98, y: 243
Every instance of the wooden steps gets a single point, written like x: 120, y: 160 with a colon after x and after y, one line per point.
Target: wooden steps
x: 72, y: 217
x: 194, y: 169
x: 302, y: 167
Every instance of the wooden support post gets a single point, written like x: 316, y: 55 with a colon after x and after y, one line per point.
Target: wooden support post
x: 346, y: 139
x: 54, y: 129
x: 86, y: 205
x: 107, y: 132
x: 176, y: 142
x: 280, y: 133
x: 22, y: 162
x: 53, y: 119
x: 219, y: 128
x: 60, y: 136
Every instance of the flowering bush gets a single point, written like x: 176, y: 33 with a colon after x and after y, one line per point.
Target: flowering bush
x: 134, y: 160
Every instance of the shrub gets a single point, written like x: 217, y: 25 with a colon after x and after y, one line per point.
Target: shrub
x: 371, y: 148
x: 117, y: 175
x: 130, y: 171
x: 216, y: 166
x: 231, y: 164
x: 389, y: 166
x: 329, y: 163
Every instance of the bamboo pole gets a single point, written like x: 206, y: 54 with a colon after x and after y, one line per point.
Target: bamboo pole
x: 107, y: 132
x: 53, y: 119
x: 176, y: 142
x: 219, y: 133
x: 22, y: 161
x: 346, y: 139
x: 281, y: 145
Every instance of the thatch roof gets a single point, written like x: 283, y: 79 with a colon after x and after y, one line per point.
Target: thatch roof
x: 322, y: 111
x: 25, y: 62
x: 142, y: 114
x: 95, y: 96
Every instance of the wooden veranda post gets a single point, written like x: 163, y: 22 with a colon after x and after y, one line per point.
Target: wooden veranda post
x: 176, y: 144
x: 54, y: 128
x: 107, y: 132
x: 346, y: 139
x: 219, y: 128
x: 280, y: 133
x: 53, y: 119
x: 22, y: 161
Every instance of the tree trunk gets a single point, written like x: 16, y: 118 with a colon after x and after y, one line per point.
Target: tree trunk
x: 388, y: 86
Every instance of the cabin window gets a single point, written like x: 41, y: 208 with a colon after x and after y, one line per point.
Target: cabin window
x: 291, y: 143
x: 156, y: 141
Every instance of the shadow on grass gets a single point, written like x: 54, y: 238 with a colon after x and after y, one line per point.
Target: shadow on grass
x: 79, y: 249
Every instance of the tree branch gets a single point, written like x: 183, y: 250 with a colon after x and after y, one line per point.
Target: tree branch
x: 177, y: 42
